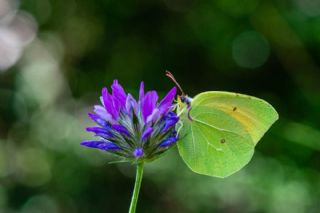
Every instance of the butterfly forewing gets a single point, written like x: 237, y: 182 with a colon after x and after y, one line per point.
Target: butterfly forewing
x: 256, y: 115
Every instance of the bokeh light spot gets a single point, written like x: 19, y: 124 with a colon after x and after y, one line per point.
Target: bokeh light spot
x: 309, y: 7
x: 7, y: 9
x: 291, y: 196
x: 250, y: 50
x: 33, y: 167
x: 10, y: 51
x: 40, y: 203
x: 15, y: 34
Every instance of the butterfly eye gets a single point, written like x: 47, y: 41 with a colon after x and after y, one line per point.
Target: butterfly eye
x: 183, y: 99
x: 186, y: 99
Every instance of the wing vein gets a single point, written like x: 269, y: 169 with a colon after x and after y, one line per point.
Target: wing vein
x: 217, y: 128
x: 192, y: 135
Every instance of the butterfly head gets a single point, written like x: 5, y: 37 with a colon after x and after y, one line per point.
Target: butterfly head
x: 186, y: 99
x: 183, y: 98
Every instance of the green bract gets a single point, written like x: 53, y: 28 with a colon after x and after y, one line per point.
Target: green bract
x: 225, y: 127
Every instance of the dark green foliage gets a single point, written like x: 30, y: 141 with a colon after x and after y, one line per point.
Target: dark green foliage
x: 83, y: 45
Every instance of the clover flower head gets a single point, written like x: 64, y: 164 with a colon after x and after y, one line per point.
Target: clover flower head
x: 133, y: 129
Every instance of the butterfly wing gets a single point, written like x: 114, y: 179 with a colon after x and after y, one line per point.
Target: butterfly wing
x: 224, y: 130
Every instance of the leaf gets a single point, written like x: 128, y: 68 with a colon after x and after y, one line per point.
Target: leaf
x: 224, y: 130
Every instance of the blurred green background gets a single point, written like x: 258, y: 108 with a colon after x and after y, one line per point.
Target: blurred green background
x: 55, y: 56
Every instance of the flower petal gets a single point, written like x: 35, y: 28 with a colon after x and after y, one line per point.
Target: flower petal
x: 146, y: 134
x: 102, y: 112
x: 166, y: 102
x: 103, y: 135
x: 99, y: 130
x: 103, y: 145
x: 138, y: 152
x: 169, y: 121
x: 121, y: 129
x: 155, y: 115
x: 119, y: 96
x: 141, y: 92
x: 102, y: 101
x: 131, y: 103
x: 108, y: 103
x: 149, y: 104
x: 169, y: 141
x: 98, y: 119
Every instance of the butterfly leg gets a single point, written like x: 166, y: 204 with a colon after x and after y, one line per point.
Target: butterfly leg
x: 180, y: 127
x: 189, y: 109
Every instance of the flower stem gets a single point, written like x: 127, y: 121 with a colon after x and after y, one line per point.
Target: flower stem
x: 136, y: 189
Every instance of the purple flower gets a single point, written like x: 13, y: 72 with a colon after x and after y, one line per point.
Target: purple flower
x: 104, y: 145
x: 100, y: 130
x: 121, y: 129
x: 135, y: 129
x: 146, y: 134
x: 138, y: 152
x: 170, y: 120
x: 170, y: 140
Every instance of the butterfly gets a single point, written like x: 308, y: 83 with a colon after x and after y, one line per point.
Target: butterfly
x: 220, y: 130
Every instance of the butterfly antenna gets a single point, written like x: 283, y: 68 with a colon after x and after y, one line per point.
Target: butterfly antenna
x: 169, y: 75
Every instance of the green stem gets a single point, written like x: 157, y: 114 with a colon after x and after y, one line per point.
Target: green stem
x: 136, y: 189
